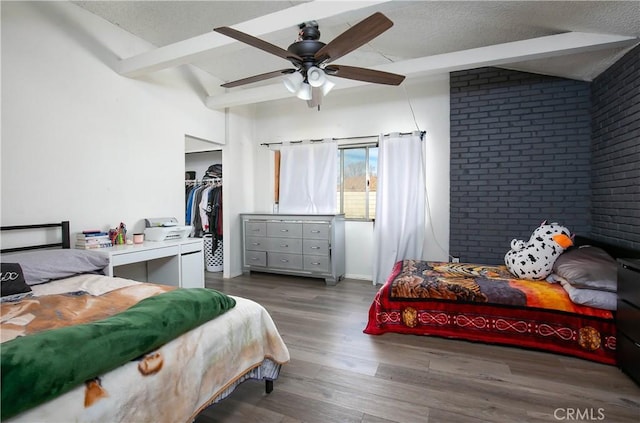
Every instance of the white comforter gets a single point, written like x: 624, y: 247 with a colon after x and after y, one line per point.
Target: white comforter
x: 198, y: 368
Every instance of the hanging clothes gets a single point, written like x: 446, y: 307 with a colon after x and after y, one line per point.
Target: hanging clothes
x: 203, y: 209
x: 214, y: 210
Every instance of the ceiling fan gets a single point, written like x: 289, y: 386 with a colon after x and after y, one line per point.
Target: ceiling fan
x: 311, y: 58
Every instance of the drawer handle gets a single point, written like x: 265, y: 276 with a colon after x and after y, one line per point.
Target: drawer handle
x: 315, y: 247
x: 284, y: 245
x: 315, y: 232
x: 284, y: 260
x: 255, y: 230
x: 284, y: 230
x: 255, y: 258
x: 316, y: 264
x: 255, y: 243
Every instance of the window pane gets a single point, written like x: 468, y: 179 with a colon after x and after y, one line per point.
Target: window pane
x: 373, y: 181
x: 355, y: 183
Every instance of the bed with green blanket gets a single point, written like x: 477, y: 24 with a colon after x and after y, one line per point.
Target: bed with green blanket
x: 92, y: 348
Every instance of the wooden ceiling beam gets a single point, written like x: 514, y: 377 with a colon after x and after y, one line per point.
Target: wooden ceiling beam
x: 495, y: 55
x: 184, y: 52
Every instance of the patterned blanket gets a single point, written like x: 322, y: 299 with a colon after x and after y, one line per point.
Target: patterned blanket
x: 35, y: 314
x: 473, y: 283
x: 159, y: 377
x: 56, y: 354
x: 486, y: 303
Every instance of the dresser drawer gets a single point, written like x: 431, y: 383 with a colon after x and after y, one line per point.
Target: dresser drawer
x: 627, y: 318
x: 255, y: 228
x: 309, y: 245
x: 316, y: 263
x: 285, y: 261
x: 316, y: 247
x: 629, y: 283
x: 284, y: 245
x: 284, y: 229
x: 628, y: 355
x: 256, y: 243
x: 255, y: 258
x: 315, y: 230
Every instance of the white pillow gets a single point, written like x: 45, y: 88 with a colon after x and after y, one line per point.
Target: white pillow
x: 590, y: 297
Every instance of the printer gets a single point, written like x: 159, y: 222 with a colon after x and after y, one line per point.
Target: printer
x: 165, y: 229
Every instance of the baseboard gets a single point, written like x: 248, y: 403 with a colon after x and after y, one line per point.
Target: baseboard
x: 361, y: 277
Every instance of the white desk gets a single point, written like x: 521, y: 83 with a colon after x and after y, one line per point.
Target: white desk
x: 176, y: 262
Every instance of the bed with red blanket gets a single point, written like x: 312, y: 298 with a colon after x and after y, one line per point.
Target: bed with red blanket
x: 486, y: 303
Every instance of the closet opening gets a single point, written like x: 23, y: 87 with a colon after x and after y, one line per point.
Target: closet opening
x: 203, y: 198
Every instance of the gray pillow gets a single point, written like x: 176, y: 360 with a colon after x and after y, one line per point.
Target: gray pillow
x: 591, y: 297
x: 46, y: 265
x: 588, y: 267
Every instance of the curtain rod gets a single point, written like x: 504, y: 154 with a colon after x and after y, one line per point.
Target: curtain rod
x: 340, y: 138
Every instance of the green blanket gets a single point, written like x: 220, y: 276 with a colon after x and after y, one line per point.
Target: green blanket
x: 39, y: 367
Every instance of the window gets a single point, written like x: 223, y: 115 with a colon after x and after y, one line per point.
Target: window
x: 357, y: 181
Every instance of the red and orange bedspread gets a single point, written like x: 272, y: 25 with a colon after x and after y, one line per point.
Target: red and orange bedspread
x: 487, y: 304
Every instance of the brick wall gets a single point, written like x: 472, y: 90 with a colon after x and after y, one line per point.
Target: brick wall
x: 615, y: 179
x: 520, y: 154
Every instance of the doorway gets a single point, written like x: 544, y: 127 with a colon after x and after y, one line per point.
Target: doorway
x: 203, y: 176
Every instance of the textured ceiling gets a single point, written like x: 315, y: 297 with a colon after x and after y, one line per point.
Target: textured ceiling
x: 421, y: 28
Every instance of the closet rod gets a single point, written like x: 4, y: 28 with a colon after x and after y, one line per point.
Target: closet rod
x: 339, y: 138
x: 198, y: 181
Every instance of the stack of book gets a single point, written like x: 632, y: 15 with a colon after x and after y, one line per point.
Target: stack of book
x: 93, y: 239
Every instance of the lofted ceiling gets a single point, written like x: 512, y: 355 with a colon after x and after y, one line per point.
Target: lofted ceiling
x: 576, y: 40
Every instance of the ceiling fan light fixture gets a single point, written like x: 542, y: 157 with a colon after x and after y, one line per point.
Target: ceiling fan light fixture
x: 316, y: 76
x: 304, y: 93
x: 310, y: 58
x: 327, y: 86
x: 293, y: 81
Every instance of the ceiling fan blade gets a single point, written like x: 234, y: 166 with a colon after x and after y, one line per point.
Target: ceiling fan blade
x: 257, y: 43
x: 257, y: 78
x: 354, y: 37
x: 363, y: 74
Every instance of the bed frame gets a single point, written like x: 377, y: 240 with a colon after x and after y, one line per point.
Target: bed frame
x: 65, y: 239
x: 65, y: 243
x: 614, y: 251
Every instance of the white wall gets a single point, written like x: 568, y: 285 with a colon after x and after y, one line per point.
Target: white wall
x: 199, y: 162
x: 79, y: 141
x: 195, y: 145
x: 359, y: 250
x: 248, y: 182
x: 356, y: 112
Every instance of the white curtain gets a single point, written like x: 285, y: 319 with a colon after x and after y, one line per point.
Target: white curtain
x: 400, y: 206
x: 308, y: 178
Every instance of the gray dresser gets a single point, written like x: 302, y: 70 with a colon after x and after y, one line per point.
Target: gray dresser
x: 293, y: 244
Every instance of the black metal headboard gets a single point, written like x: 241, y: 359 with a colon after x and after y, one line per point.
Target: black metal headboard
x: 64, y: 232
x: 614, y: 250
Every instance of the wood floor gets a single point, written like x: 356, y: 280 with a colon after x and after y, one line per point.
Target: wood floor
x: 339, y: 374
